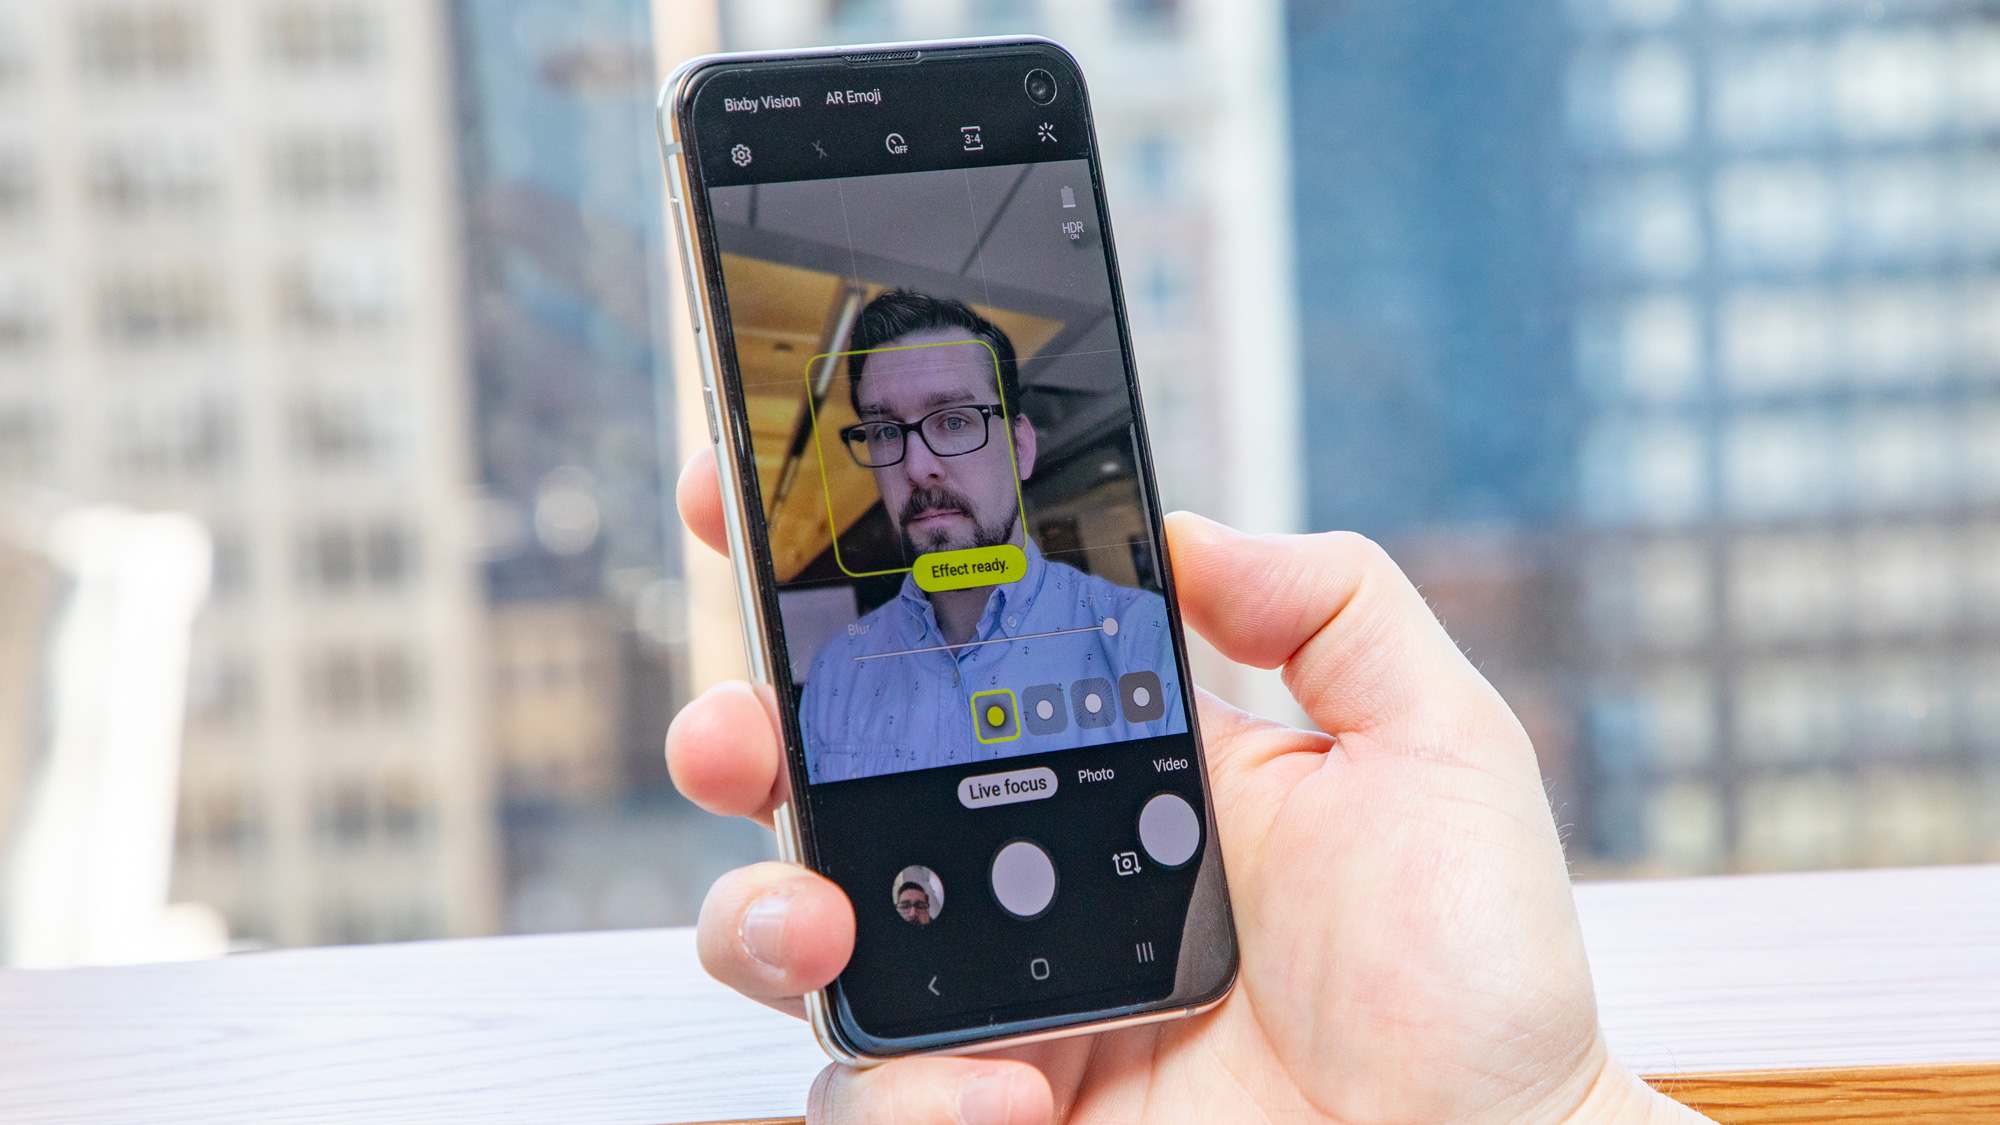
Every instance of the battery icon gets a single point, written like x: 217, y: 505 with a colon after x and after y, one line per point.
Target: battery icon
x: 1068, y: 197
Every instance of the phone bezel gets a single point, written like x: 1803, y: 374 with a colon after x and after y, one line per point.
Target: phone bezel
x: 756, y: 581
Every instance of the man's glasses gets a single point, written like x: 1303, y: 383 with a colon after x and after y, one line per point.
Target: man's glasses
x: 952, y: 432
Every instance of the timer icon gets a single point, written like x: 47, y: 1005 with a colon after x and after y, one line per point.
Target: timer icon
x: 740, y: 155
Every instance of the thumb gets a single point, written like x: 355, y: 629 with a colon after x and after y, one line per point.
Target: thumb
x: 1359, y: 647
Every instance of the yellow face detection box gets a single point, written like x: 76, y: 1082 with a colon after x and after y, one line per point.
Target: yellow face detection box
x: 995, y: 716
x: 1010, y: 573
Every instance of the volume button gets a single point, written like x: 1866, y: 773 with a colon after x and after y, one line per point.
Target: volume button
x: 694, y: 301
x: 687, y: 266
x: 708, y: 401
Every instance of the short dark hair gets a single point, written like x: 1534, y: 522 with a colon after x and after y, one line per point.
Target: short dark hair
x: 917, y: 887
x: 904, y: 312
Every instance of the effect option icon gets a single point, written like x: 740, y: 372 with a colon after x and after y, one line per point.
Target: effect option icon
x: 1043, y: 708
x: 1092, y: 702
x: 995, y: 716
x: 1140, y: 696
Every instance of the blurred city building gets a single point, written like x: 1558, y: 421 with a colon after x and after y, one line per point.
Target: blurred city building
x: 1190, y: 102
x: 26, y: 615
x: 1788, y: 348
x: 231, y: 243
x: 575, y: 440
x: 1658, y: 340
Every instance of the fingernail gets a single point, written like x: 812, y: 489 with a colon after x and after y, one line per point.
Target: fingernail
x: 764, y: 929
x: 985, y: 1100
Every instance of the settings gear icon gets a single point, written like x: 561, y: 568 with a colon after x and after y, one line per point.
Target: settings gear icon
x: 741, y: 155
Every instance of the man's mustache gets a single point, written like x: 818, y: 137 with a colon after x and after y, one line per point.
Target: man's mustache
x: 934, y: 500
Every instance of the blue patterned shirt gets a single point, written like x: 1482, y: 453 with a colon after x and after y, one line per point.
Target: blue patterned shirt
x: 864, y: 717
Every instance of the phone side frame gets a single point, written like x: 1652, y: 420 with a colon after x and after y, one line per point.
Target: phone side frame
x: 721, y: 423
x: 696, y: 271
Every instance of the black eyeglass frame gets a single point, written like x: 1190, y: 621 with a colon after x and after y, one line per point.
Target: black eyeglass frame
x: 850, y: 437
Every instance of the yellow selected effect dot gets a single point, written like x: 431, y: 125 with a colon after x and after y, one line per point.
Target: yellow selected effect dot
x: 996, y: 716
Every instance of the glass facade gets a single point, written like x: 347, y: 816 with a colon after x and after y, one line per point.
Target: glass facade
x: 1676, y: 325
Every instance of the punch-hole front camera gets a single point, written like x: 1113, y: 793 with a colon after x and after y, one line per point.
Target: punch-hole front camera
x: 1040, y: 86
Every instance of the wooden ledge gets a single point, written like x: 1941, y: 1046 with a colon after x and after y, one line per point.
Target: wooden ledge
x: 1837, y: 997
x: 1856, y: 1094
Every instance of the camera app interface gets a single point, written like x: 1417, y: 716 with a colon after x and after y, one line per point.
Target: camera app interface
x: 969, y: 581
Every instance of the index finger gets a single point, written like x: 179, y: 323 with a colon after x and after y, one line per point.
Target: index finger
x: 724, y: 753
x: 699, y: 497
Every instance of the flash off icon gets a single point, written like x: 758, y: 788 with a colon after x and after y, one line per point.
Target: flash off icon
x: 1125, y: 863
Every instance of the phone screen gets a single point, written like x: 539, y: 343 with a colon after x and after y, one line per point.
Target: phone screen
x: 952, y: 495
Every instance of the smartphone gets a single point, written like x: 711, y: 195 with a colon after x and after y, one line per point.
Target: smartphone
x: 942, y: 514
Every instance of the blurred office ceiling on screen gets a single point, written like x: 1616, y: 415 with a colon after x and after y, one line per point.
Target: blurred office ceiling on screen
x: 1660, y: 339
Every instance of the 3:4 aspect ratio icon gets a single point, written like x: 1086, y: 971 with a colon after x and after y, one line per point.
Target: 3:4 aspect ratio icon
x: 971, y: 135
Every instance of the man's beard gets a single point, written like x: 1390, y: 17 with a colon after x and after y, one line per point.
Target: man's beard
x: 939, y: 539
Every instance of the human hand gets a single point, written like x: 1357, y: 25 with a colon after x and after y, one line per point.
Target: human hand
x: 1410, y: 948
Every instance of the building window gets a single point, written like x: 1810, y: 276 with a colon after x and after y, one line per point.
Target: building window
x: 1773, y: 217
x: 229, y: 573
x: 1648, y: 348
x: 327, y: 559
x: 1776, y: 340
x: 1149, y: 15
x: 312, y: 36
x: 377, y: 918
x: 1657, y: 596
x: 20, y: 184
x: 858, y: 13
x: 1787, y: 588
x: 332, y: 294
x: 332, y: 167
x: 341, y: 557
x: 166, y: 307
x: 342, y: 815
x: 1651, y: 471
x: 154, y: 176
x: 340, y: 429
x: 22, y: 441
x: 24, y: 320
x: 142, y: 40
x: 349, y: 683
x: 1897, y: 211
x: 405, y: 815
x: 1769, y: 95
x: 335, y: 685
x: 1889, y: 85
x: 222, y: 826
x: 1652, y: 97
x: 1781, y: 465
x: 1643, y: 227
x: 352, y: 813
x: 1157, y: 161
x: 222, y: 689
x: 174, y: 438
x: 1001, y: 15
